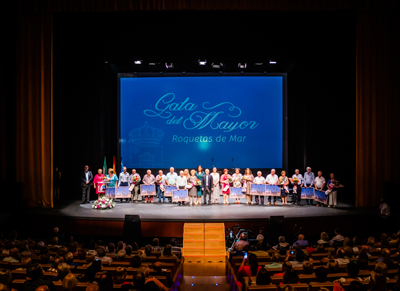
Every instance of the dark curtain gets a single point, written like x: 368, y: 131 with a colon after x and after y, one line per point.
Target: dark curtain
x: 34, y: 109
x: 378, y: 95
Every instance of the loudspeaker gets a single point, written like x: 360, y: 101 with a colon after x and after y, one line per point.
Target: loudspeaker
x: 133, y: 229
x: 275, y: 228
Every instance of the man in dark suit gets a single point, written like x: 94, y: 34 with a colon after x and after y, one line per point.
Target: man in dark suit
x: 86, y: 184
x: 207, y: 182
x: 35, y: 275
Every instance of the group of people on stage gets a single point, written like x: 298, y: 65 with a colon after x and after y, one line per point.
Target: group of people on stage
x: 210, y: 185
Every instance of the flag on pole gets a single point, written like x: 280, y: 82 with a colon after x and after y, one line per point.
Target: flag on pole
x: 104, y: 166
x: 122, y: 165
x: 114, y: 168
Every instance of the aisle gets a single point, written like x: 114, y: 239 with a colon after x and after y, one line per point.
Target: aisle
x: 204, y: 276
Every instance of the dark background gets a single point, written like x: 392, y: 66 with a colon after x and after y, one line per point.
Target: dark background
x: 316, y: 49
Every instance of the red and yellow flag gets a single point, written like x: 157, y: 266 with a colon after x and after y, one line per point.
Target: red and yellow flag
x: 115, y: 171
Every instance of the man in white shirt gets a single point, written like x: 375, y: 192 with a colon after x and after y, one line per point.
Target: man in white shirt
x: 171, y: 178
x: 181, y: 183
x: 272, y: 179
x: 319, y: 184
x: 123, y: 179
x: 297, y: 187
x: 259, y: 180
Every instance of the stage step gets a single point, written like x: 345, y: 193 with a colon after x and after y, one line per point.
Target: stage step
x: 204, y: 243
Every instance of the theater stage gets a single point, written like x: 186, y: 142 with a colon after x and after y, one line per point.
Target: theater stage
x: 167, y: 219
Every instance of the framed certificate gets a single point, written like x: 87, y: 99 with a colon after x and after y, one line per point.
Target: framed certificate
x: 307, y: 193
x: 101, y: 187
x: 319, y: 196
x: 273, y: 190
x: 110, y: 192
x: 168, y: 190
x: 180, y: 195
x: 122, y: 192
x: 148, y: 190
x: 237, y: 193
x: 257, y: 189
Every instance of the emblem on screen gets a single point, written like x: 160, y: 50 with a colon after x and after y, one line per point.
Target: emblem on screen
x: 145, y: 149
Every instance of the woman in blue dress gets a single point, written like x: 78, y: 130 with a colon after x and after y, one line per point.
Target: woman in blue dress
x: 199, y: 175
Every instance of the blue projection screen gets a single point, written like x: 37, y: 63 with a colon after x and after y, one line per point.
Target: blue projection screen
x: 201, y: 120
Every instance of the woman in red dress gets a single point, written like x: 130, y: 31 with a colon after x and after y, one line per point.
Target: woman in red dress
x: 98, y: 182
x: 225, y: 186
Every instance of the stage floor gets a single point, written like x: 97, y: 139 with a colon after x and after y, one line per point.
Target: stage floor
x: 172, y: 212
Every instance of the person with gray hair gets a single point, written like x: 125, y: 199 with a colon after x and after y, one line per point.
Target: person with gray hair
x: 259, y: 180
x: 134, y: 180
x: 282, y: 244
x: 171, y: 178
x: 272, y: 179
x: 181, y: 183
x: 308, y: 182
x: 297, y: 181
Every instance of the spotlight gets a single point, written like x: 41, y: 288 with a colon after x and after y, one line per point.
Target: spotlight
x: 202, y: 62
x: 169, y: 66
x: 138, y: 62
x: 152, y: 64
x: 242, y: 65
x: 217, y: 65
x: 258, y: 64
x: 106, y: 62
x: 271, y: 62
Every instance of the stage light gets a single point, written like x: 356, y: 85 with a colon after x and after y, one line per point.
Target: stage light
x: 152, y: 64
x: 258, y: 64
x: 271, y: 62
x: 217, y: 65
x: 202, y: 62
x: 138, y: 62
x: 106, y: 62
x: 169, y: 66
x: 242, y: 65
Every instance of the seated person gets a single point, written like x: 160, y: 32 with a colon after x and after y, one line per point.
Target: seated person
x: 242, y: 241
x: 150, y: 283
x: 35, y: 275
x: 260, y: 251
x: 101, y: 255
x: 111, y: 250
x: 308, y: 268
x: 290, y: 276
x: 331, y: 255
x: 385, y: 258
x: 302, y: 242
x: 349, y: 253
x: 120, y: 278
x: 324, y: 240
x: 340, y: 254
x: 81, y: 255
x: 136, y: 261
x: 121, y: 256
x: 174, y: 243
x: 13, y: 256
x: 168, y: 253
x: 69, y: 259
x: 238, y: 253
x: 320, y: 273
x: 352, y: 273
x: 371, y: 244
x: 128, y: 250
x: 89, y: 260
x: 147, y: 250
x: 249, y: 267
x: 337, y: 240
x: 333, y: 266
x: 25, y: 263
x: 299, y: 259
x: 282, y: 244
x: 362, y: 261
x: 158, y: 271
x: 275, y: 262
x: 263, y: 277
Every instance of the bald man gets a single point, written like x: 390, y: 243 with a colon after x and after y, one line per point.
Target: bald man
x: 42, y: 288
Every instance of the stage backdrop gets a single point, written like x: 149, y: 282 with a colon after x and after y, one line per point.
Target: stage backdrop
x: 224, y: 121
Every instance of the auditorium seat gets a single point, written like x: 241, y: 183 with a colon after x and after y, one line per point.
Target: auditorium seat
x: 151, y: 259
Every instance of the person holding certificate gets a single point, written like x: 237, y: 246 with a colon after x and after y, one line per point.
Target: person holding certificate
x: 148, y: 179
x: 171, y: 180
x: 134, y: 180
x: 283, y: 182
x: 160, y: 179
x: 225, y: 185
x: 248, y: 179
x: 217, y: 189
x: 237, y: 182
x: 192, y: 189
x: 259, y: 180
x: 272, y: 179
x: 199, y: 176
x: 123, y: 179
x: 181, y: 184
x: 297, y: 181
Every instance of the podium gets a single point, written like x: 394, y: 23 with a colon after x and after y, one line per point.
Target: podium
x: 204, y: 243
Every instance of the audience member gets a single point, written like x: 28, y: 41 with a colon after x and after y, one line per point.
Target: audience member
x: 242, y: 241
x: 128, y: 250
x: 168, y: 253
x: 6, y: 277
x: 147, y: 250
x: 106, y: 282
x: 111, y: 250
x: 249, y: 267
x: 69, y: 282
x: 320, y: 274
x: 260, y: 250
x: 290, y: 276
x: 81, y: 255
x: 101, y: 255
x: 333, y: 266
x: 63, y: 270
x: 352, y: 270
x: 35, y: 275
x: 136, y: 261
x: 282, y: 244
x: 324, y: 239
x: 308, y: 268
x: 263, y: 277
x: 301, y: 241
x: 299, y: 259
x: 13, y: 256
x: 337, y: 240
x: 340, y: 254
x: 151, y: 283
